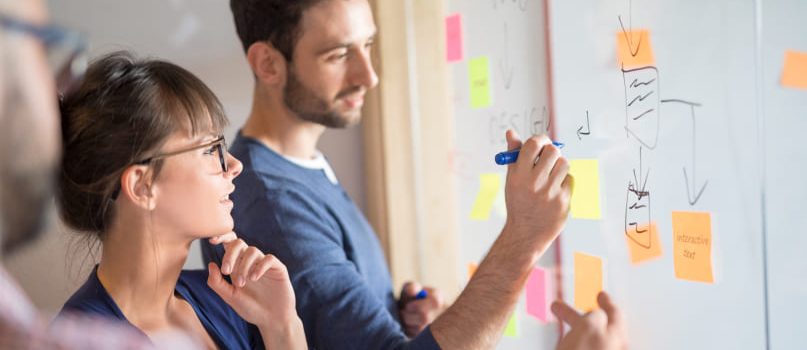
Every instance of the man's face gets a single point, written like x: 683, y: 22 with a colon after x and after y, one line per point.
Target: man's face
x: 29, y: 131
x: 331, y: 69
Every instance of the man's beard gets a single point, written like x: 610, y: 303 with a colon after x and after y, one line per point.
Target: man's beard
x: 305, y: 104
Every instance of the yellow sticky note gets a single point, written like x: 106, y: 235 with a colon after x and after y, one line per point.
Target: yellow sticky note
x: 512, y: 326
x: 488, y: 187
x: 633, y: 49
x: 586, y: 192
x: 643, y: 243
x: 794, y: 72
x: 479, y: 78
x: 692, y: 246
x: 587, y: 281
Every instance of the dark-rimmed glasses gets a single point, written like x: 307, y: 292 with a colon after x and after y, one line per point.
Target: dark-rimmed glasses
x: 220, y: 145
x: 65, y: 49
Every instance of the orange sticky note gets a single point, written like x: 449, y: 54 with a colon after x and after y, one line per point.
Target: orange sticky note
x: 587, y: 281
x: 471, y: 270
x: 692, y: 246
x: 633, y: 49
x: 643, y: 243
x: 794, y: 73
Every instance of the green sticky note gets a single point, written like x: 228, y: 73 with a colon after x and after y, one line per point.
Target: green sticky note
x: 512, y: 326
x: 479, y: 78
x: 586, y: 191
x: 488, y: 187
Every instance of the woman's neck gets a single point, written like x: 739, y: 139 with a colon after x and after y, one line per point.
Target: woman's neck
x: 139, y: 268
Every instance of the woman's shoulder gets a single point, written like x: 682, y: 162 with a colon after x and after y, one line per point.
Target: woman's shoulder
x: 92, y: 298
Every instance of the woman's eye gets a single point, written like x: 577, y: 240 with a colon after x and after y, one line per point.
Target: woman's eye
x: 211, y: 150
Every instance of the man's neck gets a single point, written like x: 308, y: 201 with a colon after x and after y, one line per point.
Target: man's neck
x: 274, y: 125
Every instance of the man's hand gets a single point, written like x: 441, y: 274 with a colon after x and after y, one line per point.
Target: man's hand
x: 416, y: 314
x: 537, y: 192
x: 601, y: 329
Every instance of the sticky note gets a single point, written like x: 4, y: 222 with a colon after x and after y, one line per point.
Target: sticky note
x: 794, y: 73
x: 454, y: 38
x: 499, y: 203
x: 512, y: 326
x: 692, y: 246
x: 479, y: 78
x: 536, y: 294
x: 587, y: 281
x: 643, y: 243
x: 633, y: 49
x: 488, y: 187
x: 586, y: 192
x: 471, y: 270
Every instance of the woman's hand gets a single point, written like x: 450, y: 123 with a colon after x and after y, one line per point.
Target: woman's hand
x: 260, y: 292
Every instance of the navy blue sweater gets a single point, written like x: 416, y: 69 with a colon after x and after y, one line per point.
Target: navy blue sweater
x: 340, y: 277
x: 225, y: 327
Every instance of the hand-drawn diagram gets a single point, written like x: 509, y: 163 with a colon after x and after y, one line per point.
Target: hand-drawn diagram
x: 637, y: 207
x: 529, y: 122
x: 690, y: 178
x: 642, y: 123
x: 522, y: 4
x: 505, y: 67
x: 642, y: 104
x: 581, y: 132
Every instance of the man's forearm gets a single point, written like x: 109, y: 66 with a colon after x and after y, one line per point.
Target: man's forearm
x: 477, y: 319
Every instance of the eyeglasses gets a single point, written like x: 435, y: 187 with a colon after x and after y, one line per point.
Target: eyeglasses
x: 218, y: 145
x: 65, y: 49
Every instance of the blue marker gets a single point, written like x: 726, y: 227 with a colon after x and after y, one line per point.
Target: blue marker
x: 504, y: 158
x: 421, y: 295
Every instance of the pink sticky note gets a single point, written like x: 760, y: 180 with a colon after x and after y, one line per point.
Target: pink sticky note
x: 454, y: 38
x: 536, y: 294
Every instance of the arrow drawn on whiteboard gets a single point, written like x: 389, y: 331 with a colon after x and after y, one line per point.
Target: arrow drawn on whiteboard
x: 693, y: 192
x: 504, y: 64
x: 580, y: 129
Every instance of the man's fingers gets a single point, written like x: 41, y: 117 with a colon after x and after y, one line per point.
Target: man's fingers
x: 611, y: 310
x: 513, y: 140
x: 410, y: 289
x: 565, y: 313
x: 559, y: 172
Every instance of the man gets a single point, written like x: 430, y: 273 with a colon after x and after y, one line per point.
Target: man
x: 29, y: 151
x: 312, y: 67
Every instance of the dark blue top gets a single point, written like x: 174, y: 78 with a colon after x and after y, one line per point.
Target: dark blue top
x: 225, y: 327
x: 340, y: 277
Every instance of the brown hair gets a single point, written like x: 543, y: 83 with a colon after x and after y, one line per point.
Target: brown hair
x: 276, y: 21
x: 123, y: 112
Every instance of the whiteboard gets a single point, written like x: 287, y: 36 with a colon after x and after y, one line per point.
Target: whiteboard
x: 785, y: 112
x: 510, y: 34
x: 690, y: 133
x: 696, y: 150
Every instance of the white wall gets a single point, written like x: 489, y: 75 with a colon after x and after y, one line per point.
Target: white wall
x: 200, y: 36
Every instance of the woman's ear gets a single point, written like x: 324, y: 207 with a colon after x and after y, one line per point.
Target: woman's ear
x: 267, y: 63
x: 136, y: 184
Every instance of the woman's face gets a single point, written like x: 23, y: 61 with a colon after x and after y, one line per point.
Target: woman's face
x: 191, y: 191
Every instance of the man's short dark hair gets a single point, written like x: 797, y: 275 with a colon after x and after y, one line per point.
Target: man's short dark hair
x: 276, y: 21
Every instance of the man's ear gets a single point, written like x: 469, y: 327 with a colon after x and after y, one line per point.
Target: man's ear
x: 136, y: 184
x: 267, y: 63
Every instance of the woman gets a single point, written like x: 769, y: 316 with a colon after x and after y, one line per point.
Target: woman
x: 146, y: 171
